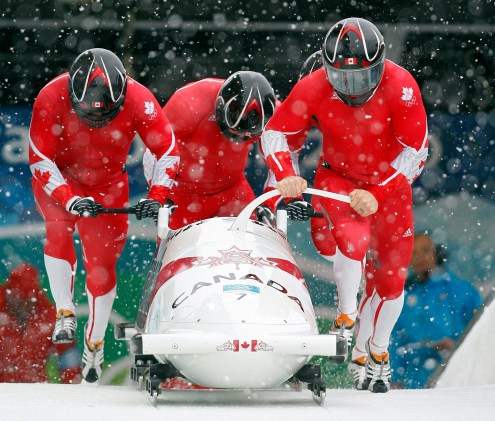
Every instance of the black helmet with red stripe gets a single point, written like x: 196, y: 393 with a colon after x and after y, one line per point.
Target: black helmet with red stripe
x: 311, y: 64
x: 354, y: 59
x: 245, y: 103
x: 97, y: 86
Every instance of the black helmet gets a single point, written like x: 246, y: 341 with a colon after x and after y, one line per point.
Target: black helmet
x: 312, y: 63
x: 244, y: 105
x: 354, y: 59
x: 97, y: 86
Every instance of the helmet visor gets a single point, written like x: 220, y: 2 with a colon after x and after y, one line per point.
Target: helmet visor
x: 248, y: 128
x: 243, y: 124
x: 355, y: 82
x: 98, y: 106
x: 249, y: 122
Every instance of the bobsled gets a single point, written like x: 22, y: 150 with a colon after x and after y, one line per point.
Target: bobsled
x: 225, y: 306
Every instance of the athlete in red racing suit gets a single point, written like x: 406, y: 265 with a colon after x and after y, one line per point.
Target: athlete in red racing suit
x: 216, y: 122
x: 374, y: 144
x: 82, y: 127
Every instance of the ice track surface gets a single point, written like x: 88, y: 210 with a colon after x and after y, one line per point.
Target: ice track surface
x: 50, y: 402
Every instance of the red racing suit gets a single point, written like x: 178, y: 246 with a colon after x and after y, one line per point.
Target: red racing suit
x: 68, y: 159
x: 380, y: 146
x: 211, y: 180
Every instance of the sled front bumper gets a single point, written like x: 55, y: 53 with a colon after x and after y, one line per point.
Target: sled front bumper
x: 328, y: 345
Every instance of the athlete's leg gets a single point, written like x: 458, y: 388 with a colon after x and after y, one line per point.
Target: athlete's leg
x: 103, y: 239
x: 351, y: 234
x: 365, y: 328
x: 59, y: 253
x: 321, y: 233
x: 392, y: 244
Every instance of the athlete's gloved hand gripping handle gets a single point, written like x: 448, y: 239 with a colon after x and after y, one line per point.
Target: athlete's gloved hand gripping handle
x: 297, y: 208
x: 300, y: 210
x: 264, y: 214
x: 148, y: 208
x: 85, y: 206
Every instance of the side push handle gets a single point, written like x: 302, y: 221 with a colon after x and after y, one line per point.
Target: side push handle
x: 162, y: 223
x: 129, y: 210
x: 241, y: 222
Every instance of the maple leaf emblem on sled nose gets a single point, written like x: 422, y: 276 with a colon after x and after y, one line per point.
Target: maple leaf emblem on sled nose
x: 235, y: 256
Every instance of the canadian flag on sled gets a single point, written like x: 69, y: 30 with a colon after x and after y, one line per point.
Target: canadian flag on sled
x: 253, y: 346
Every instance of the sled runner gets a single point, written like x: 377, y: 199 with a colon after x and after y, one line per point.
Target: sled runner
x: 226, y: 306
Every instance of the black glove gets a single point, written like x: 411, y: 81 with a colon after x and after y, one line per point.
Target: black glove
x: 264, y: 214
x: 147, y: 208
x: 85, y: 206
x: 299, y: 210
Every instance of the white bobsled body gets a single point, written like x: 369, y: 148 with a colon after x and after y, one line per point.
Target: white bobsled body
x: 229, y: 307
